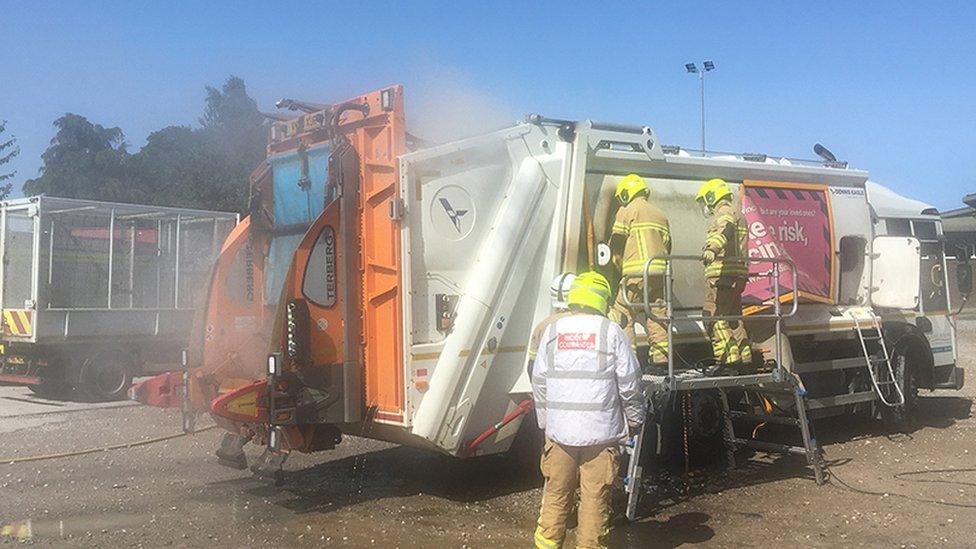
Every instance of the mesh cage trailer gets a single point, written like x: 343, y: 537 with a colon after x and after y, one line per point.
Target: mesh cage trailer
x: 92, y: 292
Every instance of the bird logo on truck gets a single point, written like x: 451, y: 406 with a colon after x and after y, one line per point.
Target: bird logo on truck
x: 455, y: 215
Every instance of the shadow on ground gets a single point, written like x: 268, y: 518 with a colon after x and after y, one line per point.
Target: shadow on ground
x: 936, y: 412
x: 402, y: 472
x: 675, y: 531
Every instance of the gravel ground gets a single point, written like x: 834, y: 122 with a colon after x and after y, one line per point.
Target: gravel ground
x: 886, y: 489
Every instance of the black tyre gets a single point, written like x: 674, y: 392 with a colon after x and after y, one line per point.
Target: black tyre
x: 904, y: 362
x: 53, y: 383
x: 50, y: 388
x: 106, y: 376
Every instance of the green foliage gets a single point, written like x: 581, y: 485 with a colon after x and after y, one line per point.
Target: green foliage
x: 205, y: 167
x: 85, y: 160
x: 8, y: 150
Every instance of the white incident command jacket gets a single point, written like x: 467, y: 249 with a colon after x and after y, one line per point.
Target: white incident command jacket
x: 586, y: 382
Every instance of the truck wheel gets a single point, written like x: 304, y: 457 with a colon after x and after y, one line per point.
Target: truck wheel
x: 50, y: 388
x: 53, y: 383
x: 903, y: 362
x: 106, y: 376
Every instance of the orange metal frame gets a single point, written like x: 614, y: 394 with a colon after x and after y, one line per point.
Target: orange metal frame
x: 378, y: 138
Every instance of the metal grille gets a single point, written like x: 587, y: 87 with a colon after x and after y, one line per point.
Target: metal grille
x: 79, y: 258
x: 17, y: 257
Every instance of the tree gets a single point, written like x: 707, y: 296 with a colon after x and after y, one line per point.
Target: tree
x: 8, y: 150
x: 85, y: 160
x: 235, y: 136
x: 205, y: 167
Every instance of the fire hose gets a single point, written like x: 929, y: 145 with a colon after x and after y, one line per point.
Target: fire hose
x: 13, y: 460
x: 519, y: 410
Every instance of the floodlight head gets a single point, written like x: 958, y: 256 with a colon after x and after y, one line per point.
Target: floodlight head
x: 709, y: 65
x: 691, y: 68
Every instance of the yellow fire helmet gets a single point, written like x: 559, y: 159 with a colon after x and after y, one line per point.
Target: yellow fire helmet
x: 630, y: 187
x: 590, y: 289
x: 712, y: 191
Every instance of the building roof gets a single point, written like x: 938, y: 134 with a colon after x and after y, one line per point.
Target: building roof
x: 960, y: 220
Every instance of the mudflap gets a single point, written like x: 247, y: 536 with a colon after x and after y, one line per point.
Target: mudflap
x: 231, y: 451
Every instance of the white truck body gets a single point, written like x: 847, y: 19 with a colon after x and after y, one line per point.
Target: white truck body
x: 489, y: 221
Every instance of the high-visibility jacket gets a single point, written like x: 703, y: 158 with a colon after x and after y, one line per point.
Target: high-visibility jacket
x: 727, y: 237
x: 648, y: 234
x: 586, y: 382
x: 541, y: 328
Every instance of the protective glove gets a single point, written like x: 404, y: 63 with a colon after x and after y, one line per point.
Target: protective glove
x: 708, y: 256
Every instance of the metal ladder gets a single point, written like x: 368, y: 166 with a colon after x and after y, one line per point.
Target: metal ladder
x: 788, y: 387
x: 778, y: 381
x: 882, y: 378
x: 791, y: 387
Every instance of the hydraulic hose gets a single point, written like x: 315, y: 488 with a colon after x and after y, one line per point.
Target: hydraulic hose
x: 361, y: 107
x: 522, y: 408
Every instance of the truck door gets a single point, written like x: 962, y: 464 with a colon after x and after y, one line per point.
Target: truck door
x: 934, y: 291
x: 895, y: 273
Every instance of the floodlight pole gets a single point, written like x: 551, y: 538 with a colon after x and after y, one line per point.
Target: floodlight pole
x: 693, y: 68
x: 701, y: 87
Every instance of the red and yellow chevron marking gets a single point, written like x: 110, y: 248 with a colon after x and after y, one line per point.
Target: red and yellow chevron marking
x: 17, y: 322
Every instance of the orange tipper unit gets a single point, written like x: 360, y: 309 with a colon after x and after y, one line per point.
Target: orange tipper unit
x: 340, y: 317
x: 312, y: 159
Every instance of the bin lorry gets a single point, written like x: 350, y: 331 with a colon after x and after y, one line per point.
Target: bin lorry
x: 94, y: 293
x: 404, y: 306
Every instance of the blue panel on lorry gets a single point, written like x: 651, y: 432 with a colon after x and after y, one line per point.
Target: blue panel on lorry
x: 279, y: 259
x: 293, y: 204
x: 294, y: 207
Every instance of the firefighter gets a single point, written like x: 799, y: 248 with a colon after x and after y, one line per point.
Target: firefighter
x: 558, y: 292
x: 725, y: 276
x: 640, y: 232
x: 586, y: 387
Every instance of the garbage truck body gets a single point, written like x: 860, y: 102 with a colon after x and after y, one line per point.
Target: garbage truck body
x: 408, y: 303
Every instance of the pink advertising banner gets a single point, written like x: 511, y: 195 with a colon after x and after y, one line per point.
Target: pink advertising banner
x: 790, y: 220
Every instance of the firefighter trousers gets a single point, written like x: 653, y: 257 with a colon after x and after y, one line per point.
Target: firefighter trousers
x: 657, y: 333
x: 590, y: 469
x: 723, y: 297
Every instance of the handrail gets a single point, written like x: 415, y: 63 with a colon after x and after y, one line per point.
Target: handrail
x: 777, y: 315
x: 774, y: 272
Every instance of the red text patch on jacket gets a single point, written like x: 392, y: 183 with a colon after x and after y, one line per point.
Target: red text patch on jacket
x: 576, y: 341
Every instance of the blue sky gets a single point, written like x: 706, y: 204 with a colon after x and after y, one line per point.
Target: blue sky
x: 888, y: 86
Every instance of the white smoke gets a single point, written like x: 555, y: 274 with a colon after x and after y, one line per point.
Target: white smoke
x: 444, y: 105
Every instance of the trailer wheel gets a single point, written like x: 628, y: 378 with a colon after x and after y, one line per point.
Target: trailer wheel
x: 106, y: 376
x: 50, y: 388
x: 53, y: 383
x: 905, y: 360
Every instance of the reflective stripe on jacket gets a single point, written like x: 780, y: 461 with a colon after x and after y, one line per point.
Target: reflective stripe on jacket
x: 727, y: 236
x: 586, y: 382
x: 648, y: 234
